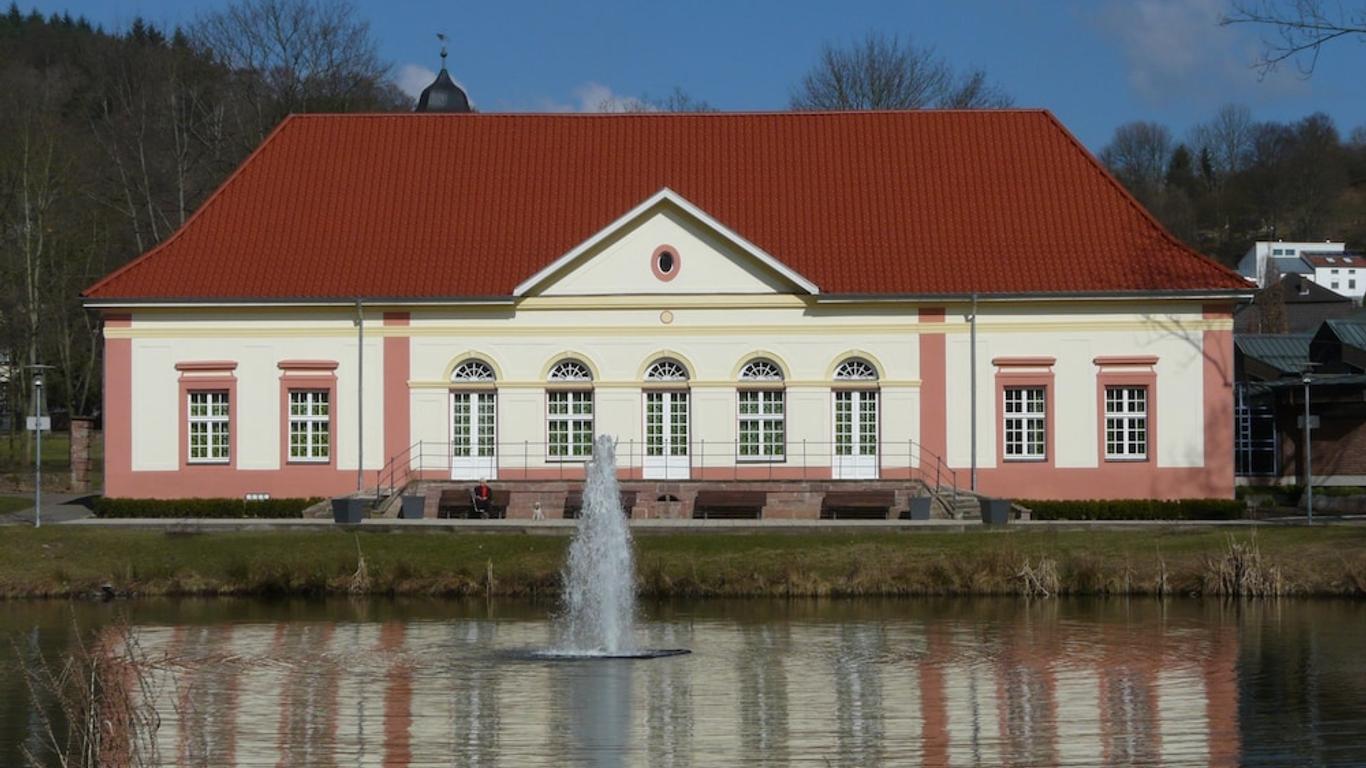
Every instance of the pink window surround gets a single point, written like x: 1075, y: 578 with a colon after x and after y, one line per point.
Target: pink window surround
x: 207, y: 376
x: 308, y: 376
x: 1136, y: 371
x: 307, y: 365
x: 654, y: 263
x: 1025, y: 372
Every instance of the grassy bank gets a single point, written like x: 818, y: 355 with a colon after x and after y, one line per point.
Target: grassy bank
x: 59, y: 561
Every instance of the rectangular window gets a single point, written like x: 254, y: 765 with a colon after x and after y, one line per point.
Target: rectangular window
x: 1126, y: 422
x: 1025, y: 423
x: 1351, y: 284
x: 763, y: 432
x: 1277, y: 252
x: 1334, y: 285
x: 309, y: 419
x: 208, y: 427
x: 569, y: 424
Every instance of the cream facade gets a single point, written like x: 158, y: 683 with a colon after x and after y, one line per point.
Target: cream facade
x: 868, y: 388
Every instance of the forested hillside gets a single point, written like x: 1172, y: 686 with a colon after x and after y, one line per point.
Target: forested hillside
x: 109, y: 140
x: 1233, y: 180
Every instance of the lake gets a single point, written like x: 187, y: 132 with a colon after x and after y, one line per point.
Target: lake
x: 952, y: 682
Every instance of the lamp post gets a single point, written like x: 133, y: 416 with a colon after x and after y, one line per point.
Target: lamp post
x: 38, y: 452
x: 1308, y: 452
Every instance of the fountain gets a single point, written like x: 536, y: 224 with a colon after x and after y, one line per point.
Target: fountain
x: 599, y: 574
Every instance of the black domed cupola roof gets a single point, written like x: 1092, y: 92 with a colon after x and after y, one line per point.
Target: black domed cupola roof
x: 443, y: 95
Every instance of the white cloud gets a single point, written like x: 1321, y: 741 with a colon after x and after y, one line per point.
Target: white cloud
x: 1177, y: 51
x: 593, y: 97
x: 412, y: 78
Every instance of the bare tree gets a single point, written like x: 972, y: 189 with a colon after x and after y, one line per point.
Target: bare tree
x: 1227, y: 137
x: 1138, y: 156
x: 1299, y: 29
x: 880, y: 72
x: 295, y: 56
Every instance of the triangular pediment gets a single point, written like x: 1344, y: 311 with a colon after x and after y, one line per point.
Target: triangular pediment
x: 704, y: 257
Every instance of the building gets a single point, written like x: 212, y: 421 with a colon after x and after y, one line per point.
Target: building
x: 762, y: 298
x: 1271, y: 372
x: 1341, y: 272
x: 1284, y: 257
x: 1296, y: 304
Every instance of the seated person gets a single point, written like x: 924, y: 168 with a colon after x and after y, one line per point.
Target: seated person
x: 482, y: 496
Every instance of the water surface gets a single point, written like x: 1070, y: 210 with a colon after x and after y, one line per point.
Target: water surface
x: 772, y: 683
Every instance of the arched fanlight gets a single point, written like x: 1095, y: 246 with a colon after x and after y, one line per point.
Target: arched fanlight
x: 472, y: 370
x: 761, y: 369
x: 856, y: 369
x: 667, y: 369
x: 570, y: 370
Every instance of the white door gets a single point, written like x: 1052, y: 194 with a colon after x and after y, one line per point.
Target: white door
x: 474, y: 417
x: 666, y: 436
x: 855, y: 435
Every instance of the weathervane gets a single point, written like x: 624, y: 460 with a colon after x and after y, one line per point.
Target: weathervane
x: 442, y: 37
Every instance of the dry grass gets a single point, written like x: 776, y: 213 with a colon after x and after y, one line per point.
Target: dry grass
x: 66, y: 561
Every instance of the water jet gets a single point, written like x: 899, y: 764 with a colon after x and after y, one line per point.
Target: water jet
x: 598, y: 620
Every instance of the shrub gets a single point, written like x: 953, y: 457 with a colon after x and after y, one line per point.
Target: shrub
x: 233, y: 508
x: 1136, y: 509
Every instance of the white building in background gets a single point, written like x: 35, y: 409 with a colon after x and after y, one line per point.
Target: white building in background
x: 1340, y: 272
x: 1286, y: 257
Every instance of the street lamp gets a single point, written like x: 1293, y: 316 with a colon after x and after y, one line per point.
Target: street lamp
x: 38, y: 452
x: 1308, y: 447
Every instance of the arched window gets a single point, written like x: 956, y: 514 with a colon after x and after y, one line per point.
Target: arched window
x: 474, y: 421
x: 856, y: 369
x: 570, y: 370
x: 761, y: 412
x: 856, y: 421
x: 473, y: 370
x: 569, y: 412
x: 667, y: 369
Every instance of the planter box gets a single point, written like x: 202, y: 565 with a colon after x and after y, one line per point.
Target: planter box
x: 349, y: 510
x: 995, y: 511
x: 920, y: 508
x: 412, y: 507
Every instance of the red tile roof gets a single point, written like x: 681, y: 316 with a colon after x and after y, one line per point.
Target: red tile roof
x: 1335, y: 259
x: 443, y: 206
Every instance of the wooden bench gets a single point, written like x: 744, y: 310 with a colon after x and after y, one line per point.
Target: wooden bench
x: 573, y: 503
x: 729, y: 505
x: 459, y: 503
x: 857, y: 505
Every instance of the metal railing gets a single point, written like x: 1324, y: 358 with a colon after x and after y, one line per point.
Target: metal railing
x: 701, y: 460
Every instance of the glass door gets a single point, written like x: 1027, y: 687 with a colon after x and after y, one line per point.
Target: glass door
x: 474, y: 417
x: 856, y: 432
x: 666, y: 436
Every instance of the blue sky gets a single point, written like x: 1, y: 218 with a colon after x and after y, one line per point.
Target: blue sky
x: 1095, y: 63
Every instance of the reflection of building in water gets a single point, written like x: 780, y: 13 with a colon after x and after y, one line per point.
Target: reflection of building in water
x: 667, y: 698
x: 763, y: 691
x: 858, y: 694
x: 933, y: 694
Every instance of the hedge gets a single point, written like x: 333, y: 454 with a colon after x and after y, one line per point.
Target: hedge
x: 234, y: 508
x: 1136, y: 509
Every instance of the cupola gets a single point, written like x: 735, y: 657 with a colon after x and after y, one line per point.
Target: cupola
x: 443, y: 95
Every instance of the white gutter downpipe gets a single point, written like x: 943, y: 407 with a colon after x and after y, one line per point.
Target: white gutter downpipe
x: 972, y: 375
x: 360, y: 397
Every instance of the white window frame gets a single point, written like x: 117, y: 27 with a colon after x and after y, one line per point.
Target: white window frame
x: 761, y: 413
x: 214, y: 421
x: 1020, y: 423
x: 569, y: 424
x: 1126, y: 422
x: 762, y: 425
x: 310, y: 415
